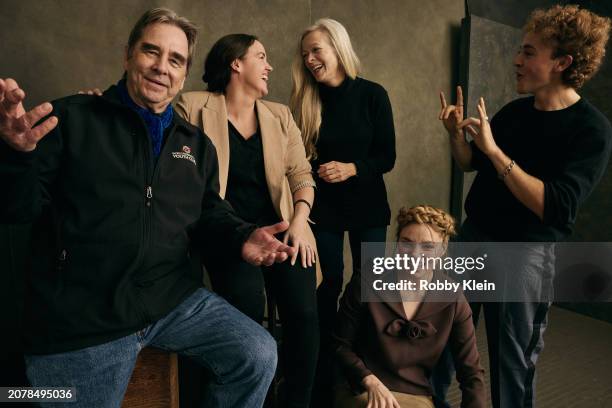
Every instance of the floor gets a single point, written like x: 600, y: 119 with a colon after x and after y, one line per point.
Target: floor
x: 575, y: 367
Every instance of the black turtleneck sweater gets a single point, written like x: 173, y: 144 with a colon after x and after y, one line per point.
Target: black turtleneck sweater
x: 567, y: 149
x: 357, y: 127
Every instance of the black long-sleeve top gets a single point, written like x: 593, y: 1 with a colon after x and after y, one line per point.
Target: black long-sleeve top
x: 567, y: 149
x: 247, y: 190
x: 357, y: 127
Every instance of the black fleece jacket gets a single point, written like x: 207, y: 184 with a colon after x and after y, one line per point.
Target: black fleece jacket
x: 114, y: 234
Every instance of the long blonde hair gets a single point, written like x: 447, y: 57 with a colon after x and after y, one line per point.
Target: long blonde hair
x: 305, y: 101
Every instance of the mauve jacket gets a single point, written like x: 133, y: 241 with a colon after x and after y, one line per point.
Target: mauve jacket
x: 376, y: 338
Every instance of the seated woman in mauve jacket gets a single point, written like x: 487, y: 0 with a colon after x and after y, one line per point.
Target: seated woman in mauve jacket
x: 387, y: 349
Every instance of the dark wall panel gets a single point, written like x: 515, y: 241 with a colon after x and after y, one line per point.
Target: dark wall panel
x: 490, y: 70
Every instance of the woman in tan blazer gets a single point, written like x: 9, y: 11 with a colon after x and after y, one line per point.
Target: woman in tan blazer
x: 264, y: 174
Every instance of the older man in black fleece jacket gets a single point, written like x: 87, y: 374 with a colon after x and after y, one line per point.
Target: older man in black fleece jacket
x: 122, y: 192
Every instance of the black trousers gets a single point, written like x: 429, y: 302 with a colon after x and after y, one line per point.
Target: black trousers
x: 294, y: 288
x: 331, y: 256
x: 515, y: 330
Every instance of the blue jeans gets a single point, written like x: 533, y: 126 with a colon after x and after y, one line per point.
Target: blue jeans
x: 238, y: 352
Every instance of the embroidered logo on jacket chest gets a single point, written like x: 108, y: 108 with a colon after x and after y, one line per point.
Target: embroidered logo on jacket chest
x: 184, y: 154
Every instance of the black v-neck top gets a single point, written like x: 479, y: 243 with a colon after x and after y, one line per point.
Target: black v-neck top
x: 247, y: 190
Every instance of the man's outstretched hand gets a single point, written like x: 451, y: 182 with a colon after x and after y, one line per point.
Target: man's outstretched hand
x: 16, y: 125
x: 262, y: 248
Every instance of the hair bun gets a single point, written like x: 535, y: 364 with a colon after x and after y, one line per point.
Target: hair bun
x: 439, y: 219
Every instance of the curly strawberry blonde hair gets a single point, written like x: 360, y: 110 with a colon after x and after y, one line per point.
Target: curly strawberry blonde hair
x: 438, y: 219
x: 576, y: 32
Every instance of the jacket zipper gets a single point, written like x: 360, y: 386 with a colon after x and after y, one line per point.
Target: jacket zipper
x: 61, y: 260
x: 148, y: 195
x: 148, y: 203
x: 151, y: 171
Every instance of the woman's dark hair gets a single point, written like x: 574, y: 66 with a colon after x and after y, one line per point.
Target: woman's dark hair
x: 217, y: 66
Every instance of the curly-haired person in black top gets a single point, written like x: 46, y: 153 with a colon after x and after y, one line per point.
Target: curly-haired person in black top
x: 537, y: 161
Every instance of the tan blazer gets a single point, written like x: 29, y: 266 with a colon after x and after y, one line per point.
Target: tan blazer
x: 285, y: 162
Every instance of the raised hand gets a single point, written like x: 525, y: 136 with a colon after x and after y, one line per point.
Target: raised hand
x: 452, y: 115
x: 16, y: 125
x: 336, y: 172
x: 94, y: 91
x: 262, y: 248
x: 480, y: 130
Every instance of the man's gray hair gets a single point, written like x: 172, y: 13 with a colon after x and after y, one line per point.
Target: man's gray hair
x: 164, y: 16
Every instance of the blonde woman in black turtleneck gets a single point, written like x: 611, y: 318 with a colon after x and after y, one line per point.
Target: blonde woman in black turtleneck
x: 347, y: 127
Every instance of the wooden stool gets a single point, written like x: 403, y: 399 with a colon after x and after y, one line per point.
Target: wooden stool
x: 154, y: 382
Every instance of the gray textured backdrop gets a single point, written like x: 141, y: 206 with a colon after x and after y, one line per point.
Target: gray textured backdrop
x: 55, y: 48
